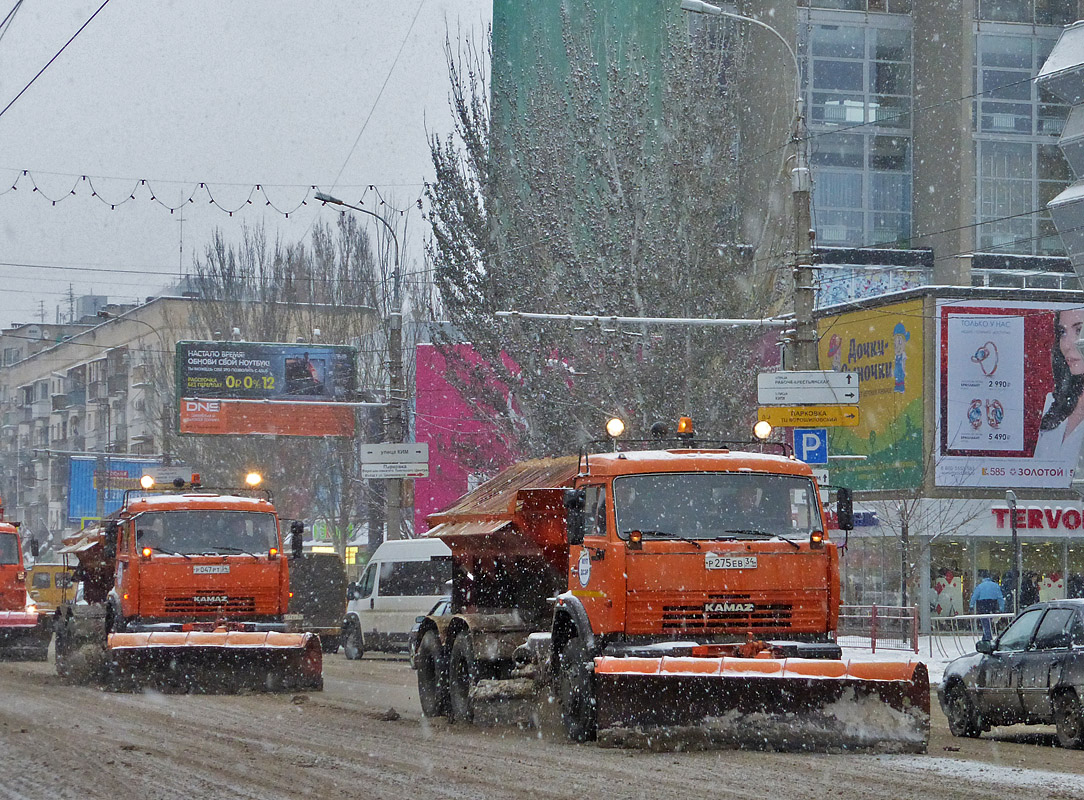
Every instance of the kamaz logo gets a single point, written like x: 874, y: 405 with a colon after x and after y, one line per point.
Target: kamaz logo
x: 210, y: 598
x: 728, y: 608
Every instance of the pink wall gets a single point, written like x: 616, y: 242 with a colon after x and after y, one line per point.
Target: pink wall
x: 459, y: 443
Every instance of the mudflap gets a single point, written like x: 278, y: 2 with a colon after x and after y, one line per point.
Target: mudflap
x: 787, y: 704
x: 215, y: 662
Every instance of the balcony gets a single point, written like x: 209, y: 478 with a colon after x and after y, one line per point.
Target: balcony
x: 77, y: 397
x: 117, y: 384
x: 40, y: 408
x: 60, y: 401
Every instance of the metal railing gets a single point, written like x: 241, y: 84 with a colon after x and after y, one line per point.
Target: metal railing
x: 956, y: 634
x: 887, y: 627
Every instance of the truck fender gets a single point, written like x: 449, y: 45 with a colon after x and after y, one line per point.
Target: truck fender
x: 570, y: 616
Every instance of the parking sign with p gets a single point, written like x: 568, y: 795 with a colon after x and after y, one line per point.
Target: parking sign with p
x: 811, y: 445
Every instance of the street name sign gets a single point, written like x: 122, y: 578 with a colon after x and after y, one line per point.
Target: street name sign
x: 809, y: 416
x: 812, y: 387
x: 407, y: 460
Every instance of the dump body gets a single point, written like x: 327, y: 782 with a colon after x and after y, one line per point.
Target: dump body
x: 195, y: 565
x: 23, y: 635
x: 609, y: 565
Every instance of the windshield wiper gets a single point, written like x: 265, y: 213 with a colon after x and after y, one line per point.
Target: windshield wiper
x: 672, y: 535
x: 765, y: 534
x: 218, y: 548
x: 168, y: 552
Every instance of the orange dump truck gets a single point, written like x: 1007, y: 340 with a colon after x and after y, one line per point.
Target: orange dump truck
x: 659, y: 591
x: 22, y: 634
x: 185, y: 587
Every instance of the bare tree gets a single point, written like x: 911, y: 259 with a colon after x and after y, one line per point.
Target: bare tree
x: 609, y: 191
x: 276, y: 292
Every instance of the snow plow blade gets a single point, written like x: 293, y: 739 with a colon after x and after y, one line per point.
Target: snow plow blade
x: 23, y: 636
x: 774, y: 703
x: 216, y: 661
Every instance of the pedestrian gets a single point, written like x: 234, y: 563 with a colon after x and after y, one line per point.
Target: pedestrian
x: 987, y: 599
x: 1029, y: 590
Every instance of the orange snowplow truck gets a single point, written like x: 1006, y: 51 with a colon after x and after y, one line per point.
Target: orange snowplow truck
x: 656, y: 590
x: 23, y: 635
x: 185, y: 587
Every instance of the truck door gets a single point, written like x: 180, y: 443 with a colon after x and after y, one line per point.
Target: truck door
x: 597, y: 574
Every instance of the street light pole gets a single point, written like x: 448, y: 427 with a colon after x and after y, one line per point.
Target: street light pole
x: 1010, y: 499
x: 804, y: 352
x: 395, y: 431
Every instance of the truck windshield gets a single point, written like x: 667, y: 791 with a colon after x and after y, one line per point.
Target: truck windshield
x: 204, y: 532
x: 715, y: 505
x: 9, y: 549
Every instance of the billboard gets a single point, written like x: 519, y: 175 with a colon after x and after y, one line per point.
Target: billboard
x: 1009, y: 379
x: 91, y: 478
x: 883, y: 347
x: 266, y: 388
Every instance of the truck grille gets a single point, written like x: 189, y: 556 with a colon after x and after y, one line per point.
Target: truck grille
x: 695, y: 618
x: 718, y: 613
x: 188, y: 605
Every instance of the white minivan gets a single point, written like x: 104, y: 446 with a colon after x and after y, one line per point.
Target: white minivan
x: 402, y: 581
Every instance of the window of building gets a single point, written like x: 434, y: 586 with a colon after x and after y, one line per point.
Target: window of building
x: 1037, y: 12
x: 889, y: 6
x: 858, y: 90
x: 1019, y: 166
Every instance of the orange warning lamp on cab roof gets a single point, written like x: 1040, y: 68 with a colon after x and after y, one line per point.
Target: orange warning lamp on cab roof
x: 685, y: 426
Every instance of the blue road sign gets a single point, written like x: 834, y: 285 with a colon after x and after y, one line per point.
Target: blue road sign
x: 811, y: 445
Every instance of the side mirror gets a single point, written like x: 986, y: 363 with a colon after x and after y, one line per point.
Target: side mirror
x: 35, y: 547
x: 112, y: 533
x: 575, y: 500
x: 844, y: 509
x: 297, y: 542
x: 351, y: 591
x: 984, y: 646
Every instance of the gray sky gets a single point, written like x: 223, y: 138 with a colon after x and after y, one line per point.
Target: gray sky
x: 229, y: 94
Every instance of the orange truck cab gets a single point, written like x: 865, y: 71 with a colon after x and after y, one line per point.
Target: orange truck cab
x: 187, y: 574
x: 709, y: 545
x: 191, y: 557
x: 22, y: 634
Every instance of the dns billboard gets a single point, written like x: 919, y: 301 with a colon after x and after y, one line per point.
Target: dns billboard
x: 265, y: 388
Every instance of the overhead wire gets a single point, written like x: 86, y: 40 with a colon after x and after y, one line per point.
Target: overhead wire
x: 54, y: 58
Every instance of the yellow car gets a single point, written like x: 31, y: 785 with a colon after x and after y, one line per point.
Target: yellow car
x: 46, y: 584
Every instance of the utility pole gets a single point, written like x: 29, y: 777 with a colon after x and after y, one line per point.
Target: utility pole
x: 805, y: 332
x: 396, y: 429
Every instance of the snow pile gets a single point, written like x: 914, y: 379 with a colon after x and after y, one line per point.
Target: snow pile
x: 498, y: 703
x: 850, y: 723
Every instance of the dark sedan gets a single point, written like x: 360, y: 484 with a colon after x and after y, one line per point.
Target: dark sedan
x: 1033, y: 673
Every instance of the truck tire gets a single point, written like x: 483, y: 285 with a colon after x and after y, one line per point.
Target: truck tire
x: 462, y: 675
x: 353, y: 644
x: 432, y: 676
x: 575, y: 692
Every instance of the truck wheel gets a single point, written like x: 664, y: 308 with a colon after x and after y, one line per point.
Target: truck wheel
x: 960, y: 711
x: 462, y: 675
x: 353, y: 646
x: 575, y: 692
x: 432, y: 676
x: 1070, y: 720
